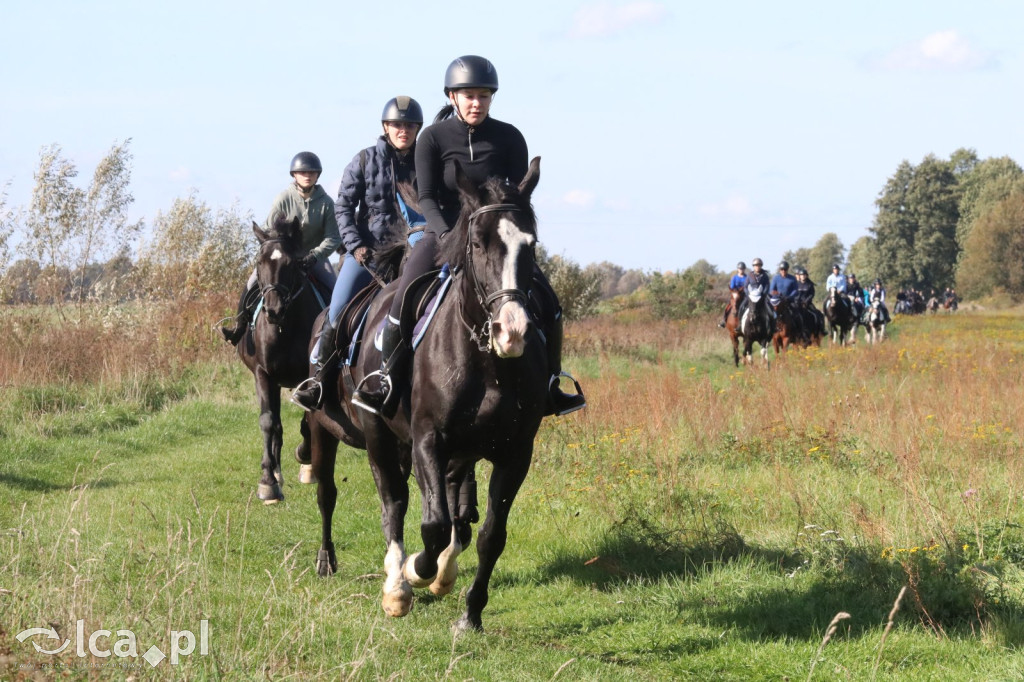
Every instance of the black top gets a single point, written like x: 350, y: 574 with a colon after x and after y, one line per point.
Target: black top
x: 491, y: 149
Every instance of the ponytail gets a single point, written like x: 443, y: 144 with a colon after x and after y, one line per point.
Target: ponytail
x: 447, y: 111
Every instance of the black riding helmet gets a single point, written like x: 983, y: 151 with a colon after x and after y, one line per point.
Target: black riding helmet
x: 784, y: 265
x: 402, y: 108
x: 306, y: 162
x: 741, y: 266
x: 470, y: 71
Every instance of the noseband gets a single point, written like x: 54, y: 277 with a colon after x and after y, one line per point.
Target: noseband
x: 486, y: 300
x: 285, y: 292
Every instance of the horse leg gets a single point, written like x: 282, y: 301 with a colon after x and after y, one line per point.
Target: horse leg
x: 436, y: 527
x: 736, y: 350
x: 269, y: 393
x: 302, y: 453
x: 389, y: 464
x: 324, y: 451
x: 490, y: 542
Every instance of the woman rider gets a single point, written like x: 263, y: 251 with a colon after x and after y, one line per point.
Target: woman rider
x: 484, y: 147
x: 310, y: 203
x: 371, y: 184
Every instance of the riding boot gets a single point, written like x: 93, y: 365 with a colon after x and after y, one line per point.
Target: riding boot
x: 242, y: 319
x: 310, y: 393
x: 392, y: 375
x: 559, y: 402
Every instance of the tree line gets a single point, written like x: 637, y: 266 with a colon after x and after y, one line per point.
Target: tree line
x: 956, y: 222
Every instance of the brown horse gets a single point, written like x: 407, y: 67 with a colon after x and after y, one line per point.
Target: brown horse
x: 732, y: 322
x: 788, y: 329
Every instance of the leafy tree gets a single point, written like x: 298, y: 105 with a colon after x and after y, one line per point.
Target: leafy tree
x: 578, y: 291
x: 69, y: 228
x: 630, y: 281
x: 863, y: 260
x: 825, y: 253
x: 994, y: 251
x: 195, y: 252
x: 801, y: 257
x: 685, y: 294
x: 608, y: 275
x: 987, y: 183
x: 20, y: 280
x: 915, y: 227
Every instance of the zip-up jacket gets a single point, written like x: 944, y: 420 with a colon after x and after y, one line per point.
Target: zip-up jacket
x: 368, y: 184
x: 319, y: 226
x: 491, y: 149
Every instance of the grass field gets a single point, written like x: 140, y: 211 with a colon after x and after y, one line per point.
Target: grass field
x: 697, y: 521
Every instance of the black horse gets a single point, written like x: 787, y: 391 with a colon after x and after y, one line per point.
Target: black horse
x: 842, y: 320
x: 756, y: 326
x: 479, y: 391
x: 274, y: 347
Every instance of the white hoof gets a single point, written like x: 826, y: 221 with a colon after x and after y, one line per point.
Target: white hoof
x: 409, y: 571
x: 306, y: 474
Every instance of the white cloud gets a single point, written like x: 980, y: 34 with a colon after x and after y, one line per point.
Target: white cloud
x: 605, y: 19
x: 733, y: 206
x: 579, y: 197
x: 944, y: 50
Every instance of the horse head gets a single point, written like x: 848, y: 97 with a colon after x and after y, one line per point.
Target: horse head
x: 494, y: 244
x: 279, y: 265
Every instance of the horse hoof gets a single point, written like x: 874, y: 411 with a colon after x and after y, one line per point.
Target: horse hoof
x: 278, y: 476
x: 398, y: 602
x: 269, y: 493
x: 306, y: 474
x: 302, y: 454
x: 464, y: 625
x: 325, y: 567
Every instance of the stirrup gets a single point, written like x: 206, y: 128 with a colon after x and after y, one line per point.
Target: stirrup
x: 579, y: 392
x: 385, y: 382
x: 308, y: 385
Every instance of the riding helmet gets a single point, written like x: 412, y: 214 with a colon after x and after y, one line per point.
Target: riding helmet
x: 756, y: 261
x: 470, y: 71
x: 835, y: 266
x: 402, y: 108
x: 741, y: 266
x: 800, y: 270
x: 307, y: 162
x: 784, y: 265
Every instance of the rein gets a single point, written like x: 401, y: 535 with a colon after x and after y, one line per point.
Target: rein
x: 482, y: 336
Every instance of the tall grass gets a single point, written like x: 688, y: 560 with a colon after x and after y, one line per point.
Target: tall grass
x: 697, y: 521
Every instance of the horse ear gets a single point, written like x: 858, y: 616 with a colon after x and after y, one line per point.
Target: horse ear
x: 260, y: 233
x: 529, y: 182
x: 470, y: 193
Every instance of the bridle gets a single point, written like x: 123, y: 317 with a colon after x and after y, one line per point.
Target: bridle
x: 487, y: 301
x: 283, y: 291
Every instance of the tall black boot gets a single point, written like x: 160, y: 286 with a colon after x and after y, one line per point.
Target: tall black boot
x: 560, y: 403
x: 384, y: 399
x: 310, y: 393
x: 242, y: 319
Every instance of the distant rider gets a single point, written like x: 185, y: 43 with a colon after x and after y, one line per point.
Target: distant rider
x: 877, y: 293
x: 856, y: 293
x: 738, y: 281
x: 758, y: 283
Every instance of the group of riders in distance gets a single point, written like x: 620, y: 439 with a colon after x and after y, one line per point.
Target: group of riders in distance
x: 439, y: 340
x: 780, y: 310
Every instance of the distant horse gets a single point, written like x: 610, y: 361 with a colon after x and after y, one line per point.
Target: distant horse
x: 274, y: 347
x: 950, y: 304
x: 479, y: 391
x: 732, y: 322
x: 813, y: 324
x: 788, y: 327
x: 874, y: 327
x: 755, y: 326
x: 933, y: 304
x: 841, y: 318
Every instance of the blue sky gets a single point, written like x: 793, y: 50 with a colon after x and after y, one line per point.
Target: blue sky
x: 669, y: 131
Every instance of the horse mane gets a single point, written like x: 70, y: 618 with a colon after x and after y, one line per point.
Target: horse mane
x: 289, y: 231
x: 452, y: 249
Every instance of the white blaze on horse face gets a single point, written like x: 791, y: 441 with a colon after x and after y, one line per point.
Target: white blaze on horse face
x: 276, y: 255
x: 510, y: 324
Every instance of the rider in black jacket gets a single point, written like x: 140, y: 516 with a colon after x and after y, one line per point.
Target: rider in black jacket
x: 484, y: 148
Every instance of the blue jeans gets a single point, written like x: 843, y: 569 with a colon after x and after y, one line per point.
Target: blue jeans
x: 351, y: 279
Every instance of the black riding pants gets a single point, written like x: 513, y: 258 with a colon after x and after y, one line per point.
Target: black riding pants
x: 421, y: 261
